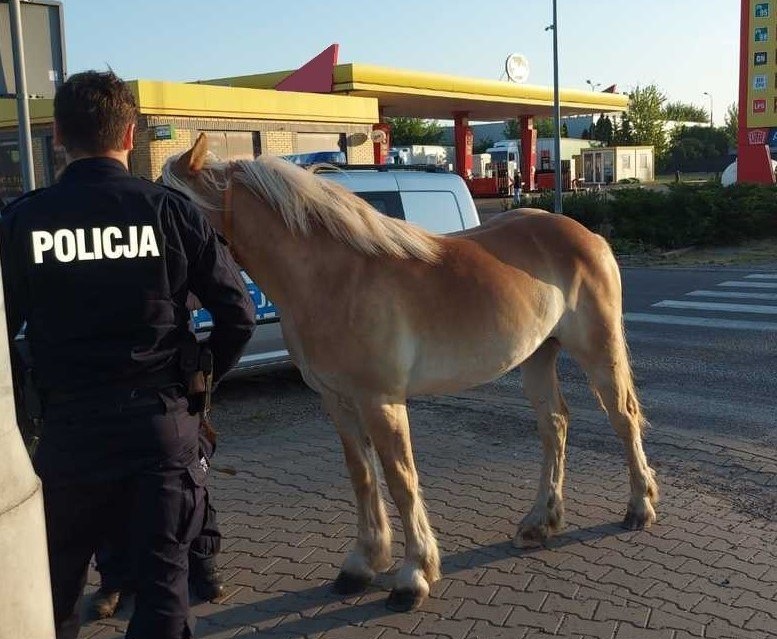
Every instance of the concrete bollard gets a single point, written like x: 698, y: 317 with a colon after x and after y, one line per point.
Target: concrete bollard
x: 25, y: 588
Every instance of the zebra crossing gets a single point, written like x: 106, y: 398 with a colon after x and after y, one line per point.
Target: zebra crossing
x: 747, y: 300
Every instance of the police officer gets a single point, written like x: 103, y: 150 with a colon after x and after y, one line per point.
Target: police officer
x: 99, y: 265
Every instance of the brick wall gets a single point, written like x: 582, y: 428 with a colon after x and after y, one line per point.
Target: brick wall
x: 277, y: 142
x: 149, y: 155
x: 276, y: 137
x: 360, y: 152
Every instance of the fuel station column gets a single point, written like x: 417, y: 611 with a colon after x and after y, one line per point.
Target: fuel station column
x: 381, y: 141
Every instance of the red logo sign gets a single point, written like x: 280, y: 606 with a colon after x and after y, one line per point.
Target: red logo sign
x: 757, y: 136
x: 759, y: 106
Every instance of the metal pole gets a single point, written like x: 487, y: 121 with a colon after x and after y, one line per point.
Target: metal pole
x: 22, y: 106
x: 557, y: 113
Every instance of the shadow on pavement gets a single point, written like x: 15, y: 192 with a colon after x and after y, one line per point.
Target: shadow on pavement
x: 318, y: 609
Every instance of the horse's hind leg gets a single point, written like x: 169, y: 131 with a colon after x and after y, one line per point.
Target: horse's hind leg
x: 372, y: 552
x: 388, y: 427
x: 540, y: 384
x: 606, y: 362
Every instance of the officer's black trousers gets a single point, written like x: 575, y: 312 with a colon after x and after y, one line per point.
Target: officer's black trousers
x: 114, y: 559
x: 158, y: 505
x: 165, y: 514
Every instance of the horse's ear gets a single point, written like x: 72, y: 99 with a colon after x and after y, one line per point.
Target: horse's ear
x: 193, y: 160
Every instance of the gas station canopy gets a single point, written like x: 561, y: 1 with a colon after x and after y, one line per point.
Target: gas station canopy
x: 402, y: 92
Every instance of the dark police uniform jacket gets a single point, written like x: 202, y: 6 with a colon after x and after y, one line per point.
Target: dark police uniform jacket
x: 99, y: 266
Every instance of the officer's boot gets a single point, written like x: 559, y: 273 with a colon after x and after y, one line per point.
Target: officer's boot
x: 104, y: 603
x: 206, y: 581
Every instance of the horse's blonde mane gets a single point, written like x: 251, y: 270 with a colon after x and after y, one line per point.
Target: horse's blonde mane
x: 306, y: 201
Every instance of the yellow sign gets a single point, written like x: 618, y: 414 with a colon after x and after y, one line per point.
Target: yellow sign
x: 761, y: 35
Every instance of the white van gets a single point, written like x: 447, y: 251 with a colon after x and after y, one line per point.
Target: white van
x: 438, y: 201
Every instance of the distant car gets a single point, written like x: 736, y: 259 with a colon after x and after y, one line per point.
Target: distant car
x: 437, y: 201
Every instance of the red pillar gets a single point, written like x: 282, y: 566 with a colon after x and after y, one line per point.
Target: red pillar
x: 754, y: 163
x: 462, y: 136
x: 528, y: 151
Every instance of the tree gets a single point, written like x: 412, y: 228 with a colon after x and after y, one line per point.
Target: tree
x: 483, y: 145
x: 564, y: 130
x: 406, y: 131
x: 623, y: 133
x: 695, y: 144
x: 545, y: 127
x: 646, y: 115
x: 603, y: 130
x: 512, y: 130
x: 683, y: 112
x: 732, y: 124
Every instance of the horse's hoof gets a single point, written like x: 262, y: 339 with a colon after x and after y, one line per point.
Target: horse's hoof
x: 638, y: 520
x: 404, y: 600
x: 531, y: 536
x: 348, y: 584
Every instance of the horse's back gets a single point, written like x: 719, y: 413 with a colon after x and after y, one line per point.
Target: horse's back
x: 544, y: 245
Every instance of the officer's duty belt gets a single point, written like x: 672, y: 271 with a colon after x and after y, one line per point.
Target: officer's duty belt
x: 147, y: 386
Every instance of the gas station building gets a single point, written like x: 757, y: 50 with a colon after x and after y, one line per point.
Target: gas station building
x: 322, y: 106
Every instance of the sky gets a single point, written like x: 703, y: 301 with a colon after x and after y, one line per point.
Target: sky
x: 685, y: 47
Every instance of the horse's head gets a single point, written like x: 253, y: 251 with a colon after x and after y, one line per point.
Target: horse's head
x: 272, y: 200
x: 206, y: 180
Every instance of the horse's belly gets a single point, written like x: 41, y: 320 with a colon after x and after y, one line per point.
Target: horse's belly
x: 439, y: 371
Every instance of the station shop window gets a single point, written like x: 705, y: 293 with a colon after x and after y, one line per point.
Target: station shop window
x: 314, y: 142
x: 232, y: 145
x: 10, y: 171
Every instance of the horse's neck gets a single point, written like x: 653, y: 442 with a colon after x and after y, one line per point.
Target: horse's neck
x: 284, y: 265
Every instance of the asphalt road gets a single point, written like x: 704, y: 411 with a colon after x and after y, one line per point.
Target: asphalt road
x: 713, y: 372
x: 706, y: 375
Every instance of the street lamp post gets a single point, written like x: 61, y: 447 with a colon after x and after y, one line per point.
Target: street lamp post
x: 593, y: 85
x: 23, y: 108
x: 709, y: 95
x: 557, y: 207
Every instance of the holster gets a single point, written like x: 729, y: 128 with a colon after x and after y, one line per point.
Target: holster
x: 197, y: 369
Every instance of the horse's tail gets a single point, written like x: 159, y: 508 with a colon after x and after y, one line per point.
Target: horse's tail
x: 633, y: 405
x: 624, y: 372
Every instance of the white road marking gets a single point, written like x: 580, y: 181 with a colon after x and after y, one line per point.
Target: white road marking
x: 761, y: 276
x: 248, y: 359
x: 719, y: 306
x: 734, y: 295
x: 749, y: 284
x: 705, y: 322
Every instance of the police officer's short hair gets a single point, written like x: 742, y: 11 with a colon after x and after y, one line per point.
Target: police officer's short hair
x: 93, y: 110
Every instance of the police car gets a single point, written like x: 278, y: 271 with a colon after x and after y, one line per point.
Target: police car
x: 437, y: 201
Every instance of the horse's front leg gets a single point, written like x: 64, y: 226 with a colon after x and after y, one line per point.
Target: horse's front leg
x: 387, y: 425
x: 372, y: 552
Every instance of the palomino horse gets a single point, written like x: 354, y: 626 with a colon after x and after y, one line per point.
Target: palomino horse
x: 375, y: 310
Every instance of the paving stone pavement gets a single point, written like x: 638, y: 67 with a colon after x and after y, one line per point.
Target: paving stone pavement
x: 708, y: 568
